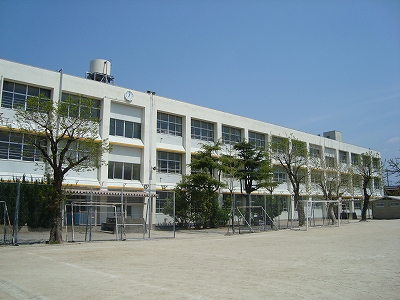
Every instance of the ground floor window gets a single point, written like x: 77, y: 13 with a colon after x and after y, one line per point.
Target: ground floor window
x: 162, y: 200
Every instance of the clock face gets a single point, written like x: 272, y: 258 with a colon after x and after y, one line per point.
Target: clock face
x: 129, y: 96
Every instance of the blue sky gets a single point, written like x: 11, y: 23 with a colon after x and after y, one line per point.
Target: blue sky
x: 313, y: 66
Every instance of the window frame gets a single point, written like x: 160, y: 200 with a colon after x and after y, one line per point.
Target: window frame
x: 169, y: 162
x: 169, y: 124
x: 202, y: 131
x: 131, y: 169
x: 231, y: 135
x: 136, y: 132
x: 19, y: 92
x: 258, y: 139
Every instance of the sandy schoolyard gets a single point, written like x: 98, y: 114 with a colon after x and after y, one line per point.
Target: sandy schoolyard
x: 358, y: 260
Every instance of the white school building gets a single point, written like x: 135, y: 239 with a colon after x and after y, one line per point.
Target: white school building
x: 152, y: 138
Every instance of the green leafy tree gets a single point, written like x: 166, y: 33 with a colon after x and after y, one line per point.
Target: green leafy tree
x: 292, y: 155
x: 255, y: 170
x: 66, y: 134
x: 197, y: 194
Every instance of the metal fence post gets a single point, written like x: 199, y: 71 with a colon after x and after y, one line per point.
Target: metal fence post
x: 16, y: 216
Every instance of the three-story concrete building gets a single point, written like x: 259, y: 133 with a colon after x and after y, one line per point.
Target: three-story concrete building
x: 153, y: 137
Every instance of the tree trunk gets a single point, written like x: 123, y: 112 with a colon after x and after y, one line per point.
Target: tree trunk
x: 331, y: 213
x: 55, y: 210
x: 365, y: 207
x: 248, y: 209
x: 56, y: 227
x: 301, y: 214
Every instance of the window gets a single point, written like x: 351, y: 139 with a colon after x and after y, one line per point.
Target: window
x: 279, y: 144
x: 79, y: 106
x: 169, y: 124
x: 202, y: 130
x: 125, y: 128
x: 279, y: 174
x: 394, y: 204
x: 168, y: 162
x: 17, y: 146
x: 355, y: 159
x: 343, y: 157
x: 282, y: 202
x: 345, y: 180
x: 330, y: 157
x: 123, y: 170
x: 376, y: 162
x: 258, y: 139
x: 357, y: 204
x: 357, y: 181
x: 231, y: 135
x: 377, y: 183
x: 379, y: 204
x: 315, y: 151
x: 316, y: 176
x: 15, y: 94
x: 162, y: 200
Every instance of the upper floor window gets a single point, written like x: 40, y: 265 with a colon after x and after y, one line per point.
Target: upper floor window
x: 169, y: 124
x: 125, y: 128
x: 377, y: 183
x: 80, y: 106
x: 258, y: 139
x: 279, y: 174
x: 18, y: 146
x: 15, y: 94
x: 315, y: 151
x: 343, y: 157
x: 355, y: 159
x: 231, y: 135
x: 169, y: 162
x: 376, y: 162
x: 202, y: 130
x: 316, y: 176
x: 330, y: 157
x: 279, y: 144
x: 123, y: 170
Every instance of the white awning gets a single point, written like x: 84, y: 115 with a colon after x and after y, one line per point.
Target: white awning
x: 108, y: 193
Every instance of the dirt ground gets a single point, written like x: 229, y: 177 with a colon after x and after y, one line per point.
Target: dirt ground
x: 358, y: 260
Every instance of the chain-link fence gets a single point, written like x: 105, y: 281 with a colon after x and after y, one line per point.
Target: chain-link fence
x: 24, y: 217
x: 87, y: 216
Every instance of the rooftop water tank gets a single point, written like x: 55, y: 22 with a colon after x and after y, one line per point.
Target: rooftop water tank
x: 101, y: 66
x: 100, y: 70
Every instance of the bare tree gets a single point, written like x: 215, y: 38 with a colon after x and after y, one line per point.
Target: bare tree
x: 230, y: 165
x: 394, y: 167
x: 333, y: 180
x: 292, y: 155
x: 367, y: 175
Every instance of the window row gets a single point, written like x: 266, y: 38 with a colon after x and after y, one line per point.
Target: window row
x: 169, y: 124
x: 15, y: 94
x: 167, y: 162
x: 80, y: 106
x: 125, y: 128
x: 18, y: 146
